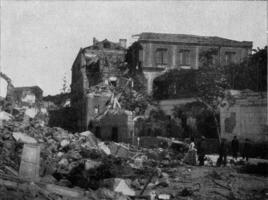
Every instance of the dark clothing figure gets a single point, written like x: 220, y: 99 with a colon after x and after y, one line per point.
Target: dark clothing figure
x: 169, y: 129
x: 246, y: 150
x: 222, y: 154
x: 201, y: 152
x: 235, y: 147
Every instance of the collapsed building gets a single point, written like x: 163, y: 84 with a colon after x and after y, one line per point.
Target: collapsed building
x: 28, y: 95
x: 96, y: 71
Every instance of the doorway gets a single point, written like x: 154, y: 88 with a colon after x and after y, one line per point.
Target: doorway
x: 115, y: 134
x: 98, y: 132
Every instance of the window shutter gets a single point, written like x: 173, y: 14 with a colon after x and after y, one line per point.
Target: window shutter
x: 187, y: 57
x: 158, y: 57
x: 161, y: 57
x: 140, y: 55
x: 229, y: 57
x: 180, y: 57
x: 165, y: 57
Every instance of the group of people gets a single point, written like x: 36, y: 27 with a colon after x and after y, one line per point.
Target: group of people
x: 223, y: 150
x: 193, y: 152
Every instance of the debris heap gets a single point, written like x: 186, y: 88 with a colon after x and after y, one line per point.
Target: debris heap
x: 80, y: 166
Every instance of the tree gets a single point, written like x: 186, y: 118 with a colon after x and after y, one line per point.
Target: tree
x: 207, y: 84
x: 65, y: 86
x: 175, y: 84
x: 251, y: 73
x: 205, y: 123
x: 214, y: 79
x: 212, y: 83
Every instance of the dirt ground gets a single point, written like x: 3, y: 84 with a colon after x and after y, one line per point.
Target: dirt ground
x: 194, y: 182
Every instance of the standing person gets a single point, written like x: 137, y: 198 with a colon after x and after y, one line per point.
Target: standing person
x: 192, y: 145
x: 169, y: 126
x: 246, y: 150
x: 235, y: 147
x: 190, y: 157
x: 201, y: 151
x: 138, y: 141
x: 222, y: 153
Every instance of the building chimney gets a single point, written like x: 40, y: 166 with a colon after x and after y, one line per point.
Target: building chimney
x: 123, y: 43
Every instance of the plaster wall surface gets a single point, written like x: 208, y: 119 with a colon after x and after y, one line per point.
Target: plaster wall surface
x: 245, y: 119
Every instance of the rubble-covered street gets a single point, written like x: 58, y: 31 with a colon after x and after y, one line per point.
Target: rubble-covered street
x: 80, y: 166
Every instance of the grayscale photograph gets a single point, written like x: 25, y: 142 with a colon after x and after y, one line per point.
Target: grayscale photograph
x: 133, y: 100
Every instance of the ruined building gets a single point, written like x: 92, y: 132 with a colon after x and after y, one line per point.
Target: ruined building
x: 101, y: 67
x: 28, y: 95
x: 96, y: 70
x: 155, y: 52
x: 20, y: 96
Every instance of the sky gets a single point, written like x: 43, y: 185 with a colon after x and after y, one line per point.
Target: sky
x: 40, y: 39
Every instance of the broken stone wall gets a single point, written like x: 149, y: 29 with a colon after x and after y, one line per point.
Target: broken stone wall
x: 77, y: 88
x: 245, y: 118
x: 8, y: 103
x: 64, y: 118
x: 113, y: 127
x: 102, y: 64
x: 28, y: 95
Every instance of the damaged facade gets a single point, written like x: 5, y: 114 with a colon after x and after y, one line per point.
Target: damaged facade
x: 100, y: 68
x: 96, y: 71
x: 30, y: 96
x: 243, y: 114
x: 154, y: 53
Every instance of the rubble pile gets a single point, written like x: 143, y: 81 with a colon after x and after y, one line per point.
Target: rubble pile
x: 72, y: 160
x: 80, y: 166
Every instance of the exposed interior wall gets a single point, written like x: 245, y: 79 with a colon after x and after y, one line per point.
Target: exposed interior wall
x: 93, y: 65
x: 95, y: 104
